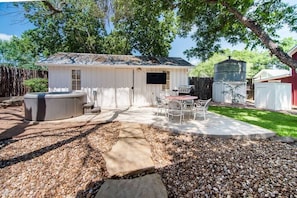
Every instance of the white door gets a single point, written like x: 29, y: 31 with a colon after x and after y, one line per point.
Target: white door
x: 124, y: 88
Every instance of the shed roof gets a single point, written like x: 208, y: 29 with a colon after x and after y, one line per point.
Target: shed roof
x: 270, y: 74
x: 293, y: 51
x: 82, y: 59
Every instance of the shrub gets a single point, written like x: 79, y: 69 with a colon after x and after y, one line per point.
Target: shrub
x: 36, y: 84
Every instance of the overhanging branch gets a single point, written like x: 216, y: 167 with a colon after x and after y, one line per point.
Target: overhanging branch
x: 52, y: 8
x: 261, y: 34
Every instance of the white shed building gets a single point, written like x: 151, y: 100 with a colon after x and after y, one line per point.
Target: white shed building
x: 113, y: 81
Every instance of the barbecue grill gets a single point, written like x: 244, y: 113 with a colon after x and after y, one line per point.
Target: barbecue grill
x: 186, y: 90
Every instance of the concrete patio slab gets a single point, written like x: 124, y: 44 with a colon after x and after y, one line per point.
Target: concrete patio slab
x: 214, y: 125
x: 145, y: 187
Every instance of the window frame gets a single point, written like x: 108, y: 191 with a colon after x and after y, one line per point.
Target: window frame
x: 76, y: 79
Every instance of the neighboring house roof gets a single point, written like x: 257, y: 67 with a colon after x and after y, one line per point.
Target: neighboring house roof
x: 106, y: 60
x: 293, y: 51
x: 270, y: 74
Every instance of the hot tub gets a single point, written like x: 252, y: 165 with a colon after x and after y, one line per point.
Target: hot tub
x: 53, y: 105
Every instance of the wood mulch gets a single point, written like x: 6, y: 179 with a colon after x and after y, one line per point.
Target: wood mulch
x: 65, y: 160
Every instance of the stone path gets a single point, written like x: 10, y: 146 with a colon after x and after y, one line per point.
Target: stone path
x: 131, y: 153
x: 147, y: 186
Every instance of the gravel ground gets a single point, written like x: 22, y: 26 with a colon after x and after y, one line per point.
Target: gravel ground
x: 197, y: 166
x: 66, y: 161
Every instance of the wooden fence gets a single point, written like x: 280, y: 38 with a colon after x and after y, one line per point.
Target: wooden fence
x: 203, y: 87
x: 12, y: 79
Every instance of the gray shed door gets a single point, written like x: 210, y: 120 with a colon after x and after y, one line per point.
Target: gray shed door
x: 124, y: 84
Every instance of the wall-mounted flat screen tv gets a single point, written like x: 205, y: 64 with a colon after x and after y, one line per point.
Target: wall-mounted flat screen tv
x: 155, y: 78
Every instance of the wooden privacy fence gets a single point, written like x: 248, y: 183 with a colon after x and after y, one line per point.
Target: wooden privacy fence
x: 12, y: 79
x: 203, y: 87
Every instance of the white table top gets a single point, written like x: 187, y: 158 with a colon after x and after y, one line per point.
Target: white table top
x: 182, y: 97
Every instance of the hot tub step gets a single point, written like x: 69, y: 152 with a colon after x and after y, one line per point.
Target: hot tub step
x: 88, y: 107
x: 96, y: 110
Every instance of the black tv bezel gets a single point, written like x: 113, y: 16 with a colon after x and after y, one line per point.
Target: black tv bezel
x: 160, y: 78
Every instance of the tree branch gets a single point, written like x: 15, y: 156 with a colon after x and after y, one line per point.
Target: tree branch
x: 51, y: 7
x: 262, y: 35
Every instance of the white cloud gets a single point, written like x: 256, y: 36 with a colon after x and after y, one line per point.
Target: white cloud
x: 5, y: 37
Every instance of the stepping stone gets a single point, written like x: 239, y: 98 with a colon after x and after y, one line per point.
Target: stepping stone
x: 131, y: 130
x: 145, y: 187
x: 128, y: 155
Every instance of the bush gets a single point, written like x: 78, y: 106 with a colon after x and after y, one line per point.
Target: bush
x: 36, y: 84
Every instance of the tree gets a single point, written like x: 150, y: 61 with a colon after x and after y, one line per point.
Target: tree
x: 18, y: 52
x: 75, y: 26
x: 256, y: 60
x: 288, y: 43
x: 149, y: 29
x: 117, y: 42
x: 206, y: 68
x: 149, y: 26
x: 251, y: 22
x: 79, y: 26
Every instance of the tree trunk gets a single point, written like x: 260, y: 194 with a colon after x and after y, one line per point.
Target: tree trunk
x: 263, y: 36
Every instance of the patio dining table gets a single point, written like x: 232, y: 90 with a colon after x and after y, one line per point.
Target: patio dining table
x: 187, y: 107
x: 182, y: 97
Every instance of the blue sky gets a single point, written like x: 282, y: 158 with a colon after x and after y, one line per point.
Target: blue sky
x: 12, y: 22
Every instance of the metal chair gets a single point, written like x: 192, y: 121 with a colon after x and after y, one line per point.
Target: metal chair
x: 161, y: 105
x: 201, y: 107
x: 175, y: 109
x: 188, y: 106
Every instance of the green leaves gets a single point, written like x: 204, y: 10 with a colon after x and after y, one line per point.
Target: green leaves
x: 37, y: 84
x: 256, y: 60
x: 148, y: 28
x: 254, y: 23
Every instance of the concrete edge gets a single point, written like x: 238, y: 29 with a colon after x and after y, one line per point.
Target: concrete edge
x: 242, y: 137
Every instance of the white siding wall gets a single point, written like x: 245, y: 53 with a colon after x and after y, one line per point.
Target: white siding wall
x: 101, y: 81
x: 145, y: 94
x: 59, y: 79
x: 222, y: 92
x: 178, y: 77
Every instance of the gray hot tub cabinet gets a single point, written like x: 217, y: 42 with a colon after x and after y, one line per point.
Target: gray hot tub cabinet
x: 53, y: 105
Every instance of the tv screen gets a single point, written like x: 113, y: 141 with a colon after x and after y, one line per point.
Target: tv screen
x: 155, y: 78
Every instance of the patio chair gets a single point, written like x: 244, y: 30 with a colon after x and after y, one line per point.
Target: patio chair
x: 161, y: 105
x: 175, y: 109
x: 201, y: 107
x: 188, y: 106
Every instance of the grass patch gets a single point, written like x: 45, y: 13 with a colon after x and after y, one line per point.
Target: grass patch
x: 282, y: 124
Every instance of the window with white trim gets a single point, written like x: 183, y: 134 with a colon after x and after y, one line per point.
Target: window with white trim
x: 76, y: 80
